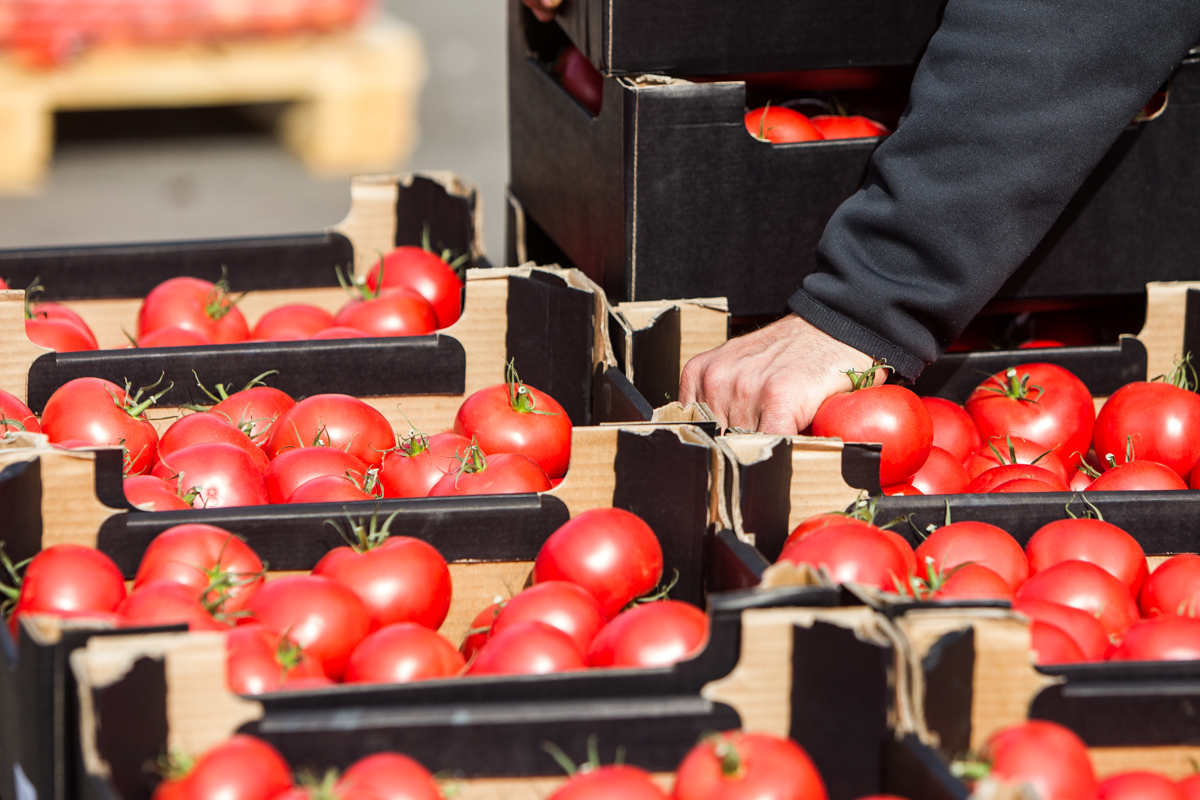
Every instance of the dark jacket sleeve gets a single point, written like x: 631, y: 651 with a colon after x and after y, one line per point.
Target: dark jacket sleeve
x: 1012, y: 106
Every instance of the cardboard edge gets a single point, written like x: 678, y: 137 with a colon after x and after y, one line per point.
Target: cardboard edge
x: 370, y: 224
x: 20, y: 353
x: 1162, y: 334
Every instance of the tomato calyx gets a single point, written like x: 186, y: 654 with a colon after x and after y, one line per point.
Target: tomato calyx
x: 222, y: 583
x: 1182, y: 376
x: 520, y: 399
x: 727, y: 755
x: 323, y: 789
x: 31, y: 292
x: 174, y: 766
x: 447, y: 255
x: 926, y: 588
x: 656, y: 596
x: 593, y: 751
x: 133, y: 404
x: 970, y: 768
x: 11, y: 423
x: 363, y: 536
x: 1016, y: 387
x: 10, y: 594
x: 865, y: 379
x: 217, y: 303
x: 1012, y: 450
x: 223, y: 392
x: 288, y: 654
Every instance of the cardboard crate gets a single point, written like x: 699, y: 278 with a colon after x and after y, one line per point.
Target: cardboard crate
x: 653, y: 341
x: 664, y: 194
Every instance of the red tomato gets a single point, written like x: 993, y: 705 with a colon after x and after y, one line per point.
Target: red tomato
x: 953, y: 428
x: 1043, y: 403
x: 1023, y: 485
x: 972, y: 582
x: 527, y: 648
x: 901, y: 490
x: 240, y: 768
x: 1166, y: 638
x: 16, y: 416
x: 333, y: 420
x: 1085, y: 586
x: 651, y: 635
x: 397, y: 578
x: 165, y: 603
x: 740, y: 766
x: 515, y: 418
x: 564, y: 605
x: 781, y: 125
x: 851, y: 554
x: 425, y: 273
x: 1138, y: 476
x: 581, y: 80
x: 292, y: 322
x: 222, y: 475
x: 1047, y: 756
x: 1001, y: 450
x: 1051, y: 645
x: 1038, y: 344
x: 990, y: 480
x: 402, y: 653
x: 153, y: 494
x: 389, y: 776
x: 258, y: 661
x: 94, y: 410
x: 43, y: 311
x: 194, y: 304
x: 206, y: 427
x: 891, y: 415
x: 254, y: 411
x: 340, y: 332
x: 974, y: 543
x: 1173, y: 587
x: 606, y: 783
x: 1092, y: 540
x: 506, y: 473
x: 1190, y: 786
x: 608, y: 551
x: 395, y: 312
x: 329, y: 489
x: 320, y: 615
x: 291, y: 469
x: 1083, y: 628
x: 480, y: 630
x: 59, y: 335
x: 815, y: 523
x: 906, y: 550
x: 415, y: 467
x: 174, y: 336
x: 835, y: 127
x: 941, y: 473
x: 1163, y: 420
x: 218, y: 567
x: 1138, y: 786
x: 69, y: 578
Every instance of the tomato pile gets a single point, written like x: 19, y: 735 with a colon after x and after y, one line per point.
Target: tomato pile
x: 1030, y: 428
x: 782, y: 125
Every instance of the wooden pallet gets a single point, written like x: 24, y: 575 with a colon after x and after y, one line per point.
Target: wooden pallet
x: 353, y: 94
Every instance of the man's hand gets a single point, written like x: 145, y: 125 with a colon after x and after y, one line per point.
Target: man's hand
x: 772, y: 380
x: 543, y: 9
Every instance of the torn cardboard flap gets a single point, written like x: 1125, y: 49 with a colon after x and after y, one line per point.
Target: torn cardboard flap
x: 47, y: 629
x: 24, y: 441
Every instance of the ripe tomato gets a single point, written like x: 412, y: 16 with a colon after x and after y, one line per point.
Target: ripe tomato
x: 321, y: 615
x: 971, y: 582
x: 906, y: 550
x: 990, y: 480
x: 506, y: 473
x: 1085, y: 586
x: 1083, y: 628
x: 1051, y: 645
x: 397, y: 578
x: 425, y: 273
x: 836, y: 127
x: 1001, y: 450
x: 206, y: 427
x: 258, y: 661
x: 515, y: 418
x: 16, y: 416
x: 415, y: 467
x: 564, y: 605
x: 654, y: 634
x: 941, y: 473
x: 608, y: 551
x: 48, y: 311
x: 291, y: 322
x: 1163, y: 421
x: 153, y: 494
x: 395, y: 312
x: 221, y: 475
x: 901, y: 490
x: 818, y: 521
x: 527, y: 648
x: 1098, y: 542
x: 1043, y: 403
x: 333, y: 420
x: 196, y: 305
x: 253, y: 411
x: 733, y: 765
x: 388, y: 776
x: 1047, y: 756
x: 174, y: 336
x: 891, y: 415
x: 605, y: 783
x: 953, y: 429
x: 581, y: 80
x: 480, y: 630
x: 851, y: 554
x: 291, y: 469
x: 1138, y: 476
x: 329, y: 489
x: 780, y: 125
x: 218, y: 567
x: 340, y: 332
x: 94, y: 410
x: 974, y: 543
x: 59, y: 335
x: 165, y: 603
x: 1173, y: 587
x: 1190, y: 786
x: 1165, y: 638
x: 1020, y: 485
x: 69, y: 578
x: 402, y: 653
x: 240, y: 768
x: 1138, y: 786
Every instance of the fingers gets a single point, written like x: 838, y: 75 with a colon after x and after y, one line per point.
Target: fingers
x: 689, y: 381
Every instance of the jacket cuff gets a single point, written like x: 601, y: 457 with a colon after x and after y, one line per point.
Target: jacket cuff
x: 849, y: 332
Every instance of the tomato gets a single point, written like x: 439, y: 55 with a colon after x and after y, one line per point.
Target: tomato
x: 1045, y: 755
x: 780, y: 125
x: 96, y: 411
x: 333, y: 420
x: 425, y: 273
x: 581, y: 80
x: 291, y: 322
x: 891, y: 415
x: 835, y: 127
x: 218, y: 567
x: 747, y: 766
x: 818, y: 521
x: 397, y: 578
x: 1190, y: 786
x: 901, y: 490
x: 291, y: 469
x: 906, y: 550
x: 1023, y: 485
x: 320, y: 615
x: 16, y: 416
x: 1173, y: 587
x: 1043, y: 403
x: 1092, y: 540
x: 258, y: 661
x: 54, y: 311
x: 1138, y: 476
x: 254, y: 411
x: 395, y: 312
x: 564, y: 605
x: 480, y: 630
x: 974, y: 543
x: 165, y: 603
x: 329, y: 489
x: 515, y: 418
x: 606, y: 783
x: 222, y: 475
x: 1082, y: 585
x: 340, y: 332
x: 941, y: 473
x: 240, y: 768
x: 972, y: 582
x: 174, y: 336
x: 1164, y: 638
x: 1138, y: 786
x: 59, y: 335
x: 389, y: 776
x: 506, y: 473
x: 196, y: 305
x: 953, y: 428
x: 1163, y: 421
x: 153, y: 494
x: 990, y: 480
x: 69, y: 578
x: 1038, y: 344
x: 402, y: 653
x: 1083, y: 628
x: 206, y: 427
x: 527, y: 648
x: 415, y: 467
x: 1008, y: 449
x: 654, y: 634
x: 608, y: 551
x: 1052, y: 645
x: 851, y: 554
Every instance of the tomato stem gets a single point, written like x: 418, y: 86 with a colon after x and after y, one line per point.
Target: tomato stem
x: 728, y: 756
x: 174, y: 766
x: 217, y: 302
x: 520, y: 399
x: 1183, y: 375
x: 563, y: 760
x: 1014, y: 387
x: 365, y: 536
x: 864, y: 379
x: 32, y: 291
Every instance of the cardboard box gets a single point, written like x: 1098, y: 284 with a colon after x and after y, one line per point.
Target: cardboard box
x: 664, y: 193
x: 653, y: 341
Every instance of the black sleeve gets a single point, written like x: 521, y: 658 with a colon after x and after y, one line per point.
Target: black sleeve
x: 1013, y: 105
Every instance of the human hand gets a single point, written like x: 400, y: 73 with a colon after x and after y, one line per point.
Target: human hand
x: 772, y: 380
x: 543, y: 9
